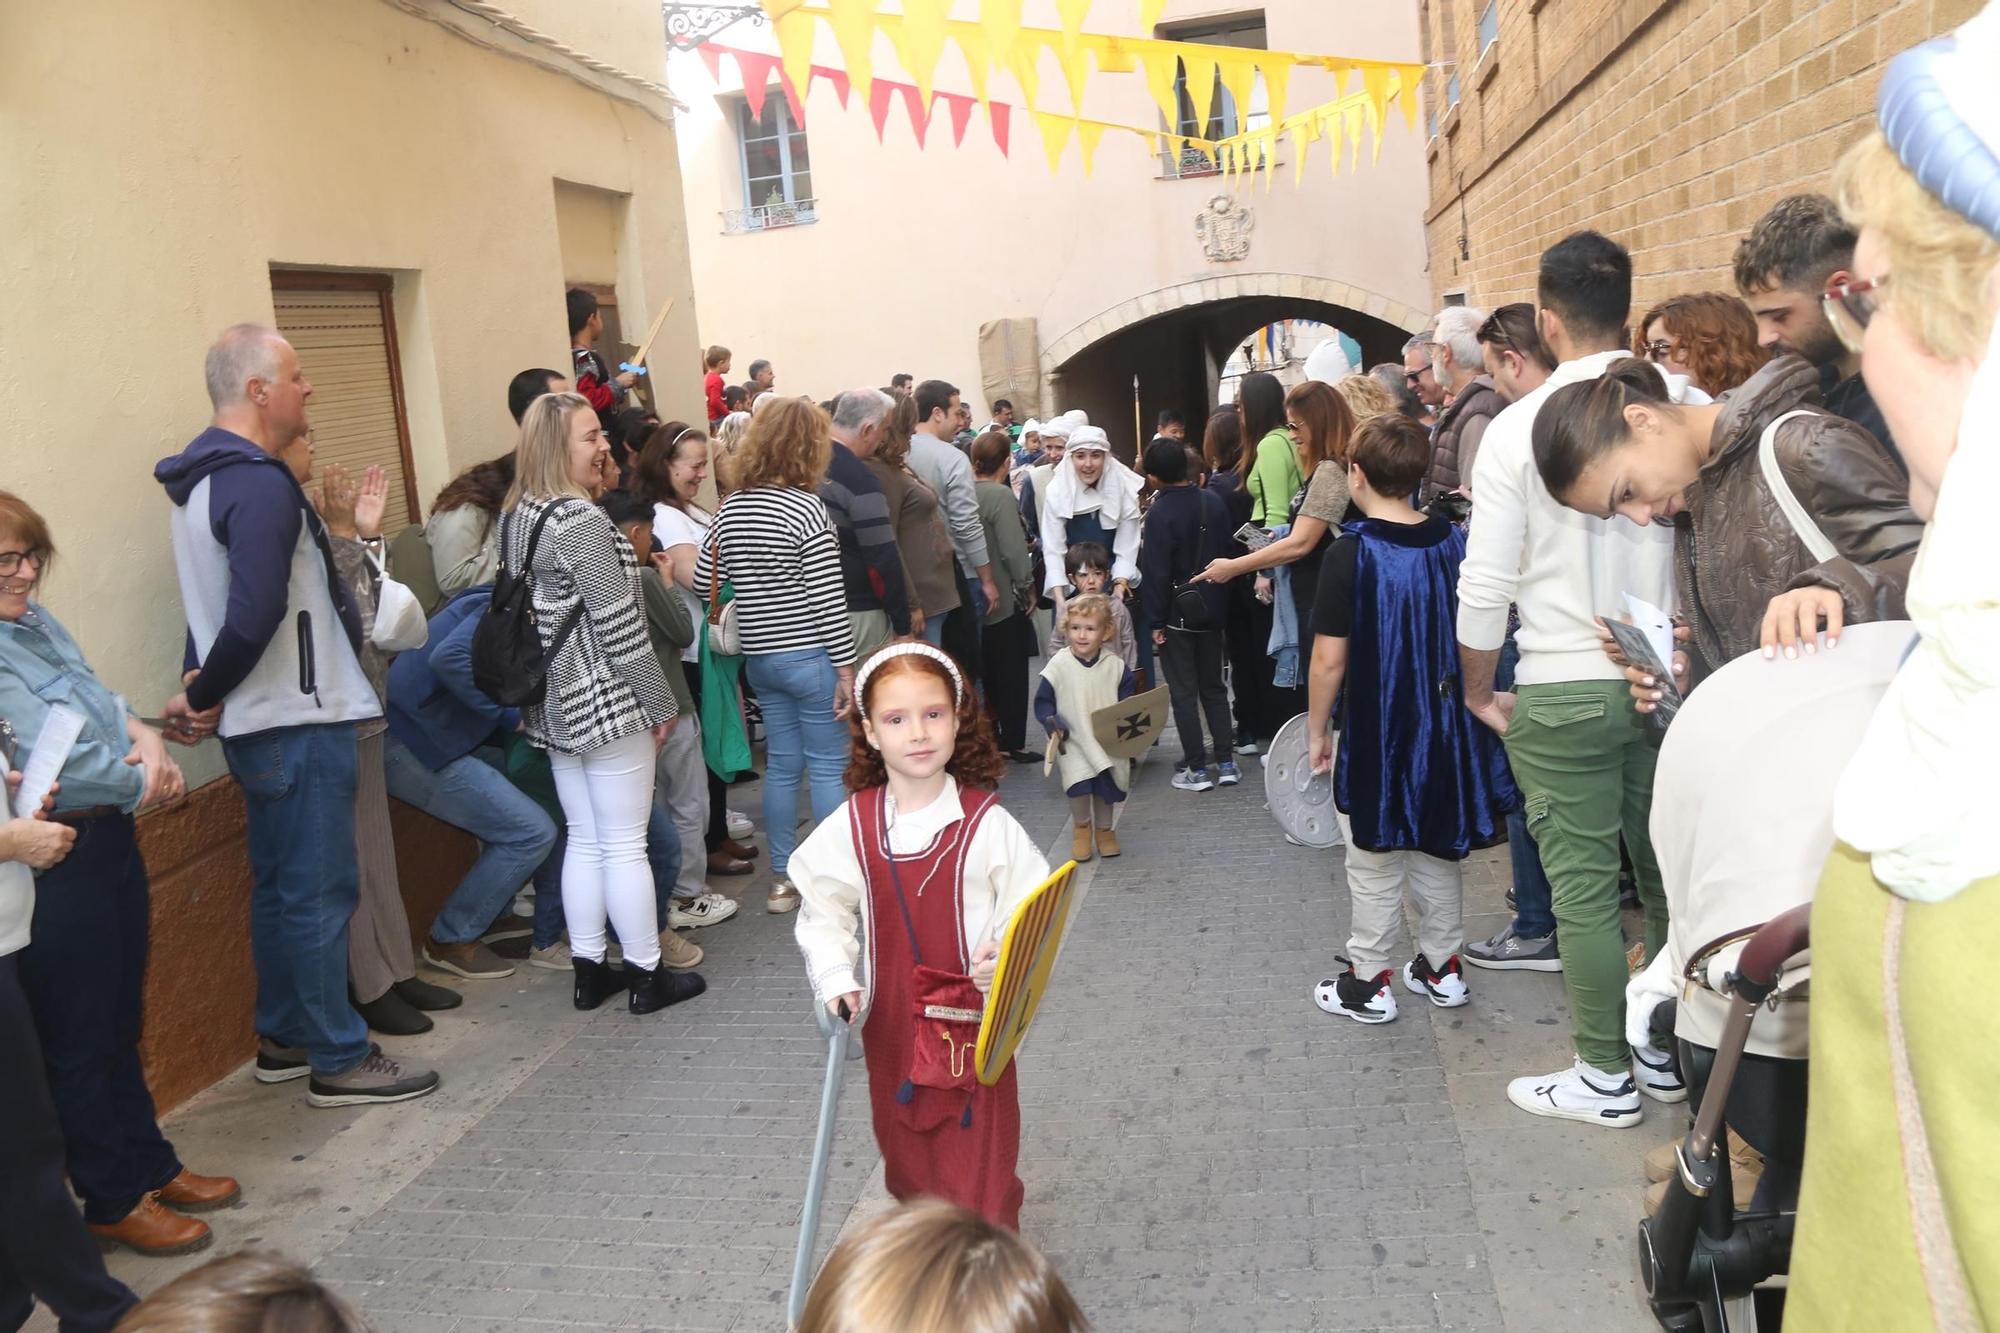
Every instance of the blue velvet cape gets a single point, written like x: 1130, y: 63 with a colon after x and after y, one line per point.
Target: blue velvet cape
x: 1416, y: 771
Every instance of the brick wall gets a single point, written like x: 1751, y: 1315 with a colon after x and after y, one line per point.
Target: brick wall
x: 1669, y: 125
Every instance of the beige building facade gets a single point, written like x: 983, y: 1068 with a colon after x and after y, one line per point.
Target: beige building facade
x: 406, y: 187
x: 1669, y: 125
x: 855, y: 258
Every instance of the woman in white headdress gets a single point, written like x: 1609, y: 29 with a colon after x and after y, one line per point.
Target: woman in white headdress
x: 1896, y: 1216
x: 1092, y: 497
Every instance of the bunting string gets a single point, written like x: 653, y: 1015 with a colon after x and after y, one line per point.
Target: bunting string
x: 1341, y: 122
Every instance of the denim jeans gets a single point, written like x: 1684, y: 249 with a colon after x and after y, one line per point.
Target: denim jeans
x: 801, y: 736
x: 1534, y: 910
x: 513, y: 833
x: 607, y: 801
x: 298, y: 791
x: 663, y: 851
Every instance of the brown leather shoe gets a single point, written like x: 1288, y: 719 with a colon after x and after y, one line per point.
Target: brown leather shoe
x: 155, y: 1230
x: 191, y: 1193
x: 742, y: 851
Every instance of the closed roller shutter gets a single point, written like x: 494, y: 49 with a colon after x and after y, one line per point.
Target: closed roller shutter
x: 345, y: 336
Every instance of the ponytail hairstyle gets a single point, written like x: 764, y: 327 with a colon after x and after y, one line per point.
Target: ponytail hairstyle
x: 1582, y: 422
x: 975, y: 760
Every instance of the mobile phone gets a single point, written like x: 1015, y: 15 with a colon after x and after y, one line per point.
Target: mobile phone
x: 1253, y: 537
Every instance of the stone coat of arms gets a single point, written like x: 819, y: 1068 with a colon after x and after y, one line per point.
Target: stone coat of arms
x: 1223, y: 226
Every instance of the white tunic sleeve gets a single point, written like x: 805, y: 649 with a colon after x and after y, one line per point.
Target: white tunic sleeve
x: 1004, y: 866
x: 826, y: 870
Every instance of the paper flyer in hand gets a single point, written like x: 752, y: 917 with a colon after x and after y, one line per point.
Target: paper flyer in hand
x: 45, y: 762
x: 1648, y: 643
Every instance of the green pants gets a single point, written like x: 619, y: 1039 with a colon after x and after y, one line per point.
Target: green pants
x: 1584, y: 761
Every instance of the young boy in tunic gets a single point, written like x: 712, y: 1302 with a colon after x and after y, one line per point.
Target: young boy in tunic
x: 923, y: 867
x: 1079, y: 679
x: 1420, y: 782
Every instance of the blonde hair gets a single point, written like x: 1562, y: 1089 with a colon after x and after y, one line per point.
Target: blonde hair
x: 1091, y: 606
x: 1364, y: 396
x: 541, y: 462
x: 787, y: 445
x: 930, y: 1267
x: 255, y: 1291
x: 1942, y: 265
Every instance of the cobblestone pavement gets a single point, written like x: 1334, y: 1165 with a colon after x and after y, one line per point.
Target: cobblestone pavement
x: 1204, y: 1149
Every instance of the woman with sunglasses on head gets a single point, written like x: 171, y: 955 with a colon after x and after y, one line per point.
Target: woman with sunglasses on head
x: 1710, y: 337
x: 1784, y: 515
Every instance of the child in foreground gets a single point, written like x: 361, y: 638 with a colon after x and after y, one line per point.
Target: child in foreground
x: 923, y: 864
x: 1420, y: 782
x: 1078, y: 680
x: 928, y: 1267
x: 252, y: 1291
x: 1088, y: 565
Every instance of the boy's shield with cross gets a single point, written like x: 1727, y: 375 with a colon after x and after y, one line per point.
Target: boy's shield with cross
x: 1128, y: 728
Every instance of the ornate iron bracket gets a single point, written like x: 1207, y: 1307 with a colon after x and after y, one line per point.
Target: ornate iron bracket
x: 688, y: 26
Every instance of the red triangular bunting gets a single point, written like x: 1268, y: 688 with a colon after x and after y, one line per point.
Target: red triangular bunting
x: 879, y: 94
x: 838, y: 78
x: 793, y: 100
x: 756, y: 68
x: 961, y: 115
x: 711, y: 55
x: 997, y: 117
x: 920, y: 120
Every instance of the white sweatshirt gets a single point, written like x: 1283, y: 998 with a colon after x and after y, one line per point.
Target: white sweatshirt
x: 1562, y: 568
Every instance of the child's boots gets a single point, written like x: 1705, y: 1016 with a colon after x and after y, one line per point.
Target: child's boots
x: 1081, y: 847
x: 1107, y: 842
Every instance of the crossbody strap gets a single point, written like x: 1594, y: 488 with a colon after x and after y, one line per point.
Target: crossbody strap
x: 1781, y: 491
x: 575, y: 614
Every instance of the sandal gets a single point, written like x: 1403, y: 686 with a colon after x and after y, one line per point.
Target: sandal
x: 722, y: 863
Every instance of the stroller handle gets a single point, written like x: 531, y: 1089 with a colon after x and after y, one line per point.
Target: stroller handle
x: 1783, y: 937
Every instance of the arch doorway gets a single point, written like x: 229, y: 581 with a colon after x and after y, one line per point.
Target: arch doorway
x: 1177, y: 341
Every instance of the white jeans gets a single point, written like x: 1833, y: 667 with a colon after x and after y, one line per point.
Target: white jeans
x: 682, y: 776
x: 1376, y: 882
x: 607, y: 797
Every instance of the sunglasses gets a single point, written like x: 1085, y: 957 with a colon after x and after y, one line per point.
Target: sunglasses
x: 1850, y: 305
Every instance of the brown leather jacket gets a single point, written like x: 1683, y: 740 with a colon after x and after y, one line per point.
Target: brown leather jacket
x: 1733, y: 546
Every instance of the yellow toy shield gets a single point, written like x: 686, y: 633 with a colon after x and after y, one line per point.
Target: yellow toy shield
x: 1027, y: 956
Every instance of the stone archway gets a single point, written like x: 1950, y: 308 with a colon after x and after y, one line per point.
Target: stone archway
x: 1225, y: 287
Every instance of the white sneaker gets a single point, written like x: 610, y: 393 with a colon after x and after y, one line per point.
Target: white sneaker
x: 1247, y: 747
x: 1444, y: 988
x: 555, y: 958
x: 1653, y: 1070
x: 740, y: 826
x: 1580, y: 1093
x: 524, y: 903
x: 707, y: 910
x: 1363, y: 999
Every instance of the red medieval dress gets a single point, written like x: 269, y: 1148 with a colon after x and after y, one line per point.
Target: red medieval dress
x: 959, y: 1143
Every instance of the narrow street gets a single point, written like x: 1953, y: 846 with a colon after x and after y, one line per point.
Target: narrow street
x: 1205, y: 1150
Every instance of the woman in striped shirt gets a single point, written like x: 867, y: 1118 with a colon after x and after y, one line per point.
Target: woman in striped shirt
x: 607, y: 708
x: 773, y: 541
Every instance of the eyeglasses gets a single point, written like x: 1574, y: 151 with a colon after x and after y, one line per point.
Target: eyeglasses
x: 10, y: 561
x: 1294, y: 427
x: 1658, y: 350
x: 1850, y: 305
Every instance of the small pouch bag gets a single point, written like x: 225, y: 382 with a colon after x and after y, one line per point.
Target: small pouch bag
x: 947, y: 1010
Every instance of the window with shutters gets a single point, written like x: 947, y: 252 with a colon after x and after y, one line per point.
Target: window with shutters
x: 343, y: 326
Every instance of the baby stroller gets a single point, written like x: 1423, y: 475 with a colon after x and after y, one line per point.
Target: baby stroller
x: 1705, y: 1264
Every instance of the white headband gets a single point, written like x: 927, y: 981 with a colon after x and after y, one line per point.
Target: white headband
x: 904, y: 650
x: 682, y: 436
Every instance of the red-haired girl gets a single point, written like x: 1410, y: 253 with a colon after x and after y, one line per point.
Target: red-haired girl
x: 923, y: 865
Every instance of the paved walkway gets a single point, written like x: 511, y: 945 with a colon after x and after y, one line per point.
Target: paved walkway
x: 1205, y: 1150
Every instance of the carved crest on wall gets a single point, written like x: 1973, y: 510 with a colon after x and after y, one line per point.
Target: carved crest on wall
x: 1223, y: 226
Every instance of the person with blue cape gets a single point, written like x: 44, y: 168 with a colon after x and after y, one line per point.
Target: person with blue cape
x: 1419, y: 783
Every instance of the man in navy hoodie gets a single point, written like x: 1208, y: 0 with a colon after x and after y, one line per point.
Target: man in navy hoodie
x: 273, y: 665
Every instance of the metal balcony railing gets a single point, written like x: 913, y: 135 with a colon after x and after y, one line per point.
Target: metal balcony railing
x: 768, y: 217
